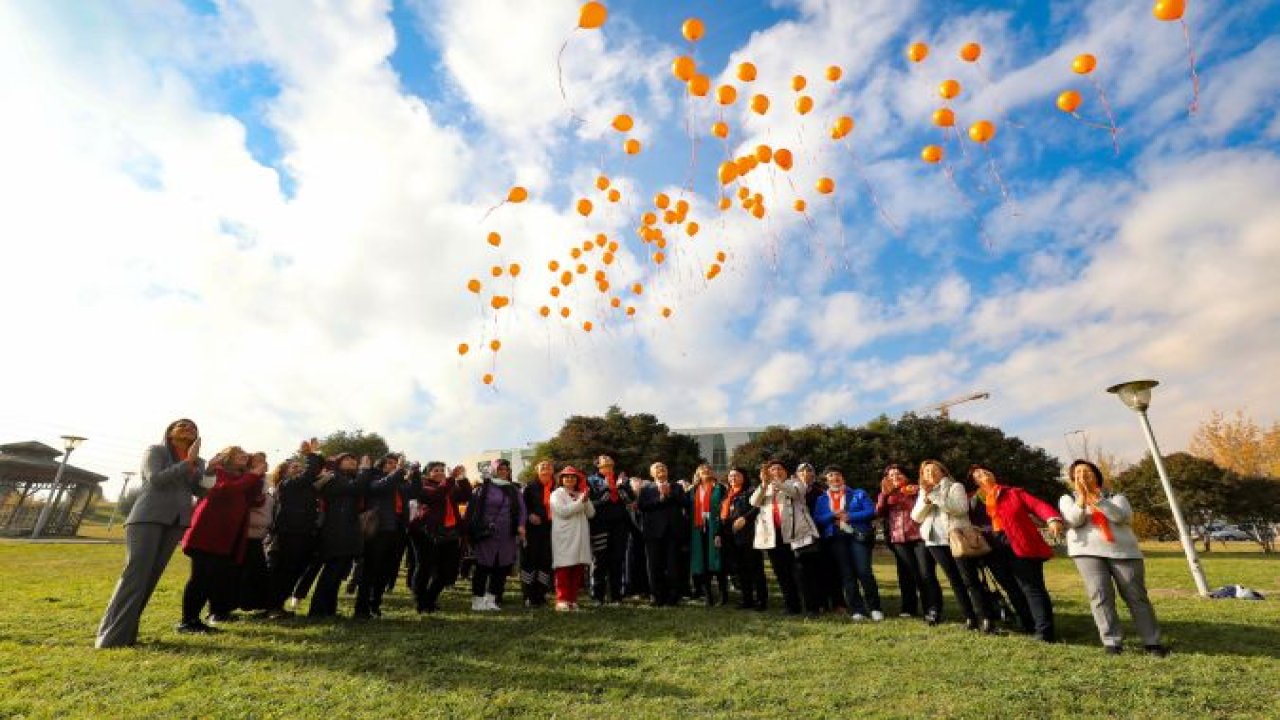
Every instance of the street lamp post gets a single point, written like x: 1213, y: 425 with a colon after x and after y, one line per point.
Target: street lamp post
x: 115, y: 509
x: 1136, y: 395
x: 69, y: 443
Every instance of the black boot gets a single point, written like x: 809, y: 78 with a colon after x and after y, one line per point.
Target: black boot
x: 724, y: 590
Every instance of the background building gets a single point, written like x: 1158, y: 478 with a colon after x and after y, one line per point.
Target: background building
x: 27, y: 469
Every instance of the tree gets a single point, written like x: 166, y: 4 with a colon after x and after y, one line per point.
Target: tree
x: 1238, y: 444
x: 863, y: 452
x: 1204, y: 490
x: 633, y: 441
x: 1254, y: 505
x: 357, y: 442
x: 125, y: 504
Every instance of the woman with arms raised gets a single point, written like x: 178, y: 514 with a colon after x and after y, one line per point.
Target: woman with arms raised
x: 496, y: 522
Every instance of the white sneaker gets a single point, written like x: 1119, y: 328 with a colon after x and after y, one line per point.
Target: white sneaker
x: 490, y: 603
x: 858, y: 617
x: 477, y: 604
x: 564, y: 607
x: 877, y: 616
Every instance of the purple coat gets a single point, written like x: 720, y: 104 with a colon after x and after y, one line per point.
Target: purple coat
x: 499, y: 549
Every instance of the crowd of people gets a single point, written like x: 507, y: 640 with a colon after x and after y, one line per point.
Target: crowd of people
x: 262, y: 541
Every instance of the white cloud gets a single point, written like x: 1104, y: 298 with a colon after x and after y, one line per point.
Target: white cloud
x: 782, y: 373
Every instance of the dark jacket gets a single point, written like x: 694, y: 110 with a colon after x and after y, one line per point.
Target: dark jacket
x: 298, y: 500
x: 340, y: 534
x: 608, y: 512
x: 534, y: 505
x: 663, y: 518
x: 741, y: 507
x: 388, y: 495
x: 432, y: 499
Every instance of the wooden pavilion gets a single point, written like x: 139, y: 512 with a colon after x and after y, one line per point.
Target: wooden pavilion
x: 27, y: 470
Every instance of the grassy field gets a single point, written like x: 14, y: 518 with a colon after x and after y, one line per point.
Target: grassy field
x: 630, y: 661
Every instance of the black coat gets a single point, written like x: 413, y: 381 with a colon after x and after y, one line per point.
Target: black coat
x: 609, y: 513
x: 663, y: 518
x: 741, y: 507
x: 340, y: 534
x: 381, y: 495
x: 298, y: 500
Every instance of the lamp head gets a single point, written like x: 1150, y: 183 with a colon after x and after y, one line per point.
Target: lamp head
x: 1135, y: 394
x: 71, y: 442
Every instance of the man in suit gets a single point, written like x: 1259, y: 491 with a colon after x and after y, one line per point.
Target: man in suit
x: 610, y: 496
x: 171, y: 479
x: 663, y: 523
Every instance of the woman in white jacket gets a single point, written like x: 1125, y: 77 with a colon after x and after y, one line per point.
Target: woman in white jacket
x: 571, y: 511
x: 941, y: 505
x: 785, y: 530
x: 1101, y: 542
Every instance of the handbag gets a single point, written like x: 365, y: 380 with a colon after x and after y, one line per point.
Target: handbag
x: 968, y: 542
x: 369, y: 523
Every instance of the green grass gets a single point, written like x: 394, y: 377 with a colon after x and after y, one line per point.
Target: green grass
x: 623, y: 662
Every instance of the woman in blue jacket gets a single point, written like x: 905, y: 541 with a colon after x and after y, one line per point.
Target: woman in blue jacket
x: 843, y: 516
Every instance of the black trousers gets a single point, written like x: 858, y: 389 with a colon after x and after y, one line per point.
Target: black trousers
x: 535, y: 565
x: 811, y: 563
x: 380, y: 564
x: 783, y: 560
x: 291, y: 555
x: 637, y: 579
x: 966, y: 584
x: 748, y: 572
x: 324, y: 599
x: 917, y: 578
x: 1000, y: 562
x: 212, y: 581
x: 1030, y: 576
x: 255, y: 589
x: 663, y: 556
x: 397, y: 559
x: 490, y: 580
x: 437, y: 561
x: 609, y: 550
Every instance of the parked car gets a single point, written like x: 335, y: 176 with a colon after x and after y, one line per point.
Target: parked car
x: 1229, y: 532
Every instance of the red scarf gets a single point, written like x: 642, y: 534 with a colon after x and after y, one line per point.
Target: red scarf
x: 399, y: 502
x: 450, y: 516
x: 777, y: 514
x: 728, y: 503
x: 701, y: 505
x: 1103, y: 525
x: 613, y: 487
x: 547, y: 486
x: 837, y: 499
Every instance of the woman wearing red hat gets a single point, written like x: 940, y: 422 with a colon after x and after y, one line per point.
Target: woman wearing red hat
x: 570, y: 536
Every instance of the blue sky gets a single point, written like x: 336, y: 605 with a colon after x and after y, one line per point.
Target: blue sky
x: 265, y: 216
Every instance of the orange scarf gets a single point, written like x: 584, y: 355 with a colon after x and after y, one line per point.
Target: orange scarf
x: 450, y: 517
x: 1100, y: 521
x: 727, y: 505
x: 701, y: 504
x: 837, y: 499
x: 990, y: 499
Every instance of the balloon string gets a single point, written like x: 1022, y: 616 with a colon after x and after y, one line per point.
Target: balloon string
x: 968, y: 204
x: 1090, y: 123
x: 560, y: 79
x: 489, y: 212
x: 871, y: 191
x: 995, y: 174
x: 1191, y: 62
x: 1111, y: 118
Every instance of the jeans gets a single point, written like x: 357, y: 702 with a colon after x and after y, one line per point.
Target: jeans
x: 853, y: 561
x: 918, y: 572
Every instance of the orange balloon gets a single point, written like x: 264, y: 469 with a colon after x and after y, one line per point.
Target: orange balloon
x: 692, y: 29
x: 699, y: 85
x: 746, y: 72
x: 825, y: 185
x: 666, y: 312
x: 473, y: 285
x: 970, y: 52
x: 725, y: 203
x: 799, y: 205
x: 683, y: 67
x: 553, y: 266
x: 691, y: 229
x: 726, y: 94
x: 949, y: 89
x: 931, y: 154
x: 623, y: 123
x: 1069, y: 100
x: 917, y: 51
x: 760, y: 104
x: 592, y: 15
x: 728, y: 172
x: 804, y: 104
x: 798, y: 83
x: 682, y: 207
x: 834, y: 73
x: 615, y: 302
x: 496, y: 271
x: 513, y: 269
x: 743, y: 164
x: 463, y: 348
x: 575, y: 253
x: 648, y: 218
x: 500, y: 301
x: 581, y: 269
x: 659, y: 257
x: 1084, y: 64
x: 631, y: 147
x: 670, y: 216
x: 944, y: 117
x: 720, y: 130
x: 713, y: 271
x: 1169, y: 10
x: 586, y: 326
x: 555, y: 291
x: 602, y: 183
x: 631, y: 310
x: 566, y: 278
x: 565, y: 312
x: 607, y: 258
x: 495, y: 239
x: 764, y: 153
x: 720, y: 256
x: 487, y: 379
x: 661, y: 201
x: 638, y: 289
x: 602, y: 240
x: 842, y: 127
x: 782, y: 158
x: 614, y: 195
x: 517, y: 194
x: 982, y: 131
x: 544, y: 311
x: 495, y: 345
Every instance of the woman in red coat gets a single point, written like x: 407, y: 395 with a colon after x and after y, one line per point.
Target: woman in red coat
x: 215, y: 541
x: 1018, y: 543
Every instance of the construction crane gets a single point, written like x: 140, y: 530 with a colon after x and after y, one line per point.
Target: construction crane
x: 944, y: 408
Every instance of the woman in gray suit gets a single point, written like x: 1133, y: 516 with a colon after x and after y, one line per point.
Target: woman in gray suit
x: 171, y: 474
